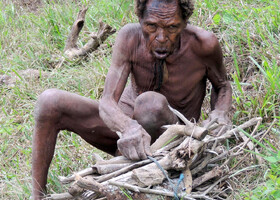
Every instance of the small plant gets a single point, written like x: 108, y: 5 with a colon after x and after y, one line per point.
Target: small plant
x: 270, y: 189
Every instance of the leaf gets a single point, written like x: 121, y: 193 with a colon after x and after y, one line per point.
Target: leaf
x: 217, y: 19
x: 228, y: 18
x: 277, y: 194
x: 271, y: 159
x: 278, y: 181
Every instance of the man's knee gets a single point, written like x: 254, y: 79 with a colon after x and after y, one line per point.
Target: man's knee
x: 150, y: 107
x: 47, y: 105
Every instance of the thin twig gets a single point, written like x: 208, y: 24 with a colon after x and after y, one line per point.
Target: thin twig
x: 242, y: 170
x: 158, y: 192
x: 214, y: 184
x: 190, y: 141
x: 268, y: 130
x: 248, y: 140
x: 123, y: 170
x: 229, y: 133
x: 62, y: 196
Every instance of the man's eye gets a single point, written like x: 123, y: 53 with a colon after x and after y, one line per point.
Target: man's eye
x: 172, y: 29
x: 152, y: 27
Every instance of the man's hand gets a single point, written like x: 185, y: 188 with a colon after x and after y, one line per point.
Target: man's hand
x: 223, y: 121
x: 135, y: 143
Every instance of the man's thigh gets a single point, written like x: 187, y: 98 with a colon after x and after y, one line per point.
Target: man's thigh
x: 77, y: 114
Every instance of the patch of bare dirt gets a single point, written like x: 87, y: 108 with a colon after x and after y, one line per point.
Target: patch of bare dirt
x: 26, y: 75
x: 30, y: 5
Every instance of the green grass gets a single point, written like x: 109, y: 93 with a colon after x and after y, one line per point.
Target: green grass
x: 249, y: 34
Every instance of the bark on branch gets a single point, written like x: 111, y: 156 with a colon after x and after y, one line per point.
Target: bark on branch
x: 72, y: 50
x: 186, y: 155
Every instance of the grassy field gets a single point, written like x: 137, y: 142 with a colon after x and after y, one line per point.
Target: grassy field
x: 32, y: 36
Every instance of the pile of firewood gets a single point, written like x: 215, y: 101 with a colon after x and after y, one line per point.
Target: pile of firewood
x: 187, y: 163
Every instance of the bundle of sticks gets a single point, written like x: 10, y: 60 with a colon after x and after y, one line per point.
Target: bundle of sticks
x: 187, y: 163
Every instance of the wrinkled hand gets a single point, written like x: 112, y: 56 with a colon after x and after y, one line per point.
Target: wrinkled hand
x: 135, y: 143
x: 223, y: 121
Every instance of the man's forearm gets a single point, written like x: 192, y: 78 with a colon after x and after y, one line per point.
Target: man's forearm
x: 221, y: 100
x: 114, y: 117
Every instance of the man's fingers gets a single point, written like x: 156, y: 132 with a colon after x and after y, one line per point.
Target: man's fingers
x: 133, y: 155
x: 147, y: 145
x: 141, y: 151
x: 147, y: 149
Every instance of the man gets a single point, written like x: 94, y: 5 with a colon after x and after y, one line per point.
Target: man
x: 168, y: 62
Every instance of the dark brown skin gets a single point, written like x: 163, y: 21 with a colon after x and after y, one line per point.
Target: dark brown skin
x: 192, y: 56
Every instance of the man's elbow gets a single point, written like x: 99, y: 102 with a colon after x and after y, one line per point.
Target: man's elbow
x: 228, y: 87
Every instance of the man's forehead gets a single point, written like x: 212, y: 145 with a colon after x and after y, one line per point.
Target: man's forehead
x: 161, y: 3
x: 162, y: 8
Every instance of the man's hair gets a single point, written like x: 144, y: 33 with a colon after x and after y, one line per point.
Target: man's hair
x: 187, y: 7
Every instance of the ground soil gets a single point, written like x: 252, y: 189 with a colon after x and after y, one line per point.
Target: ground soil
x: 30, y: 5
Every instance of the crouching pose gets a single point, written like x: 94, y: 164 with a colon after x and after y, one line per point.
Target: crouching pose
x: 168, y: 62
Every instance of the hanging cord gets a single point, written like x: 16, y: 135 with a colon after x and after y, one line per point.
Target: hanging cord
x: 158, y: 74
x: 175, y: 189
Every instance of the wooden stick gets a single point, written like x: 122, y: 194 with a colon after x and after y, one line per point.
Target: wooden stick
x: 122, y: 171
x: 90, y: 184
x: 214, y: 184
x: 72, y: 38
x: 71, y: 49
x: 199, y: 132
x: 169, y: 146
x: 62, y: 196
x: 188, y: 181
x: 205, y: 161
x: 82, y: 173
x: 217, y: 171
x: 178, y: 130
x: 158, y: 192
x: 229, y: 133
x: 249, y: 143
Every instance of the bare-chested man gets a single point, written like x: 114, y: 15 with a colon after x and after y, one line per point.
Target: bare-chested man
x: 168, y: 62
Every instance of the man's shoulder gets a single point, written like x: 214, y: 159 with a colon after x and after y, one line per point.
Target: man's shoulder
x: 204, y: 42
x: 130, y: 30
x: 127, y: 38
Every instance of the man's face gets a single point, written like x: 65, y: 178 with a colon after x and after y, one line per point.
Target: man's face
x: 162, y: 24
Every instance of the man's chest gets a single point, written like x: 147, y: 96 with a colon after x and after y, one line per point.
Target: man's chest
x: 179, y: 74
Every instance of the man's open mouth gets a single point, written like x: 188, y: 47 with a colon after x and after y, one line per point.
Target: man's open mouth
x: 161, y: 54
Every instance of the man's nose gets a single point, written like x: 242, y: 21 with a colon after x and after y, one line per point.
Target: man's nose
x: 161, y: 36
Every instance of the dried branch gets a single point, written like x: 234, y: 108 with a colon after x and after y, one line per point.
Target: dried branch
x: 158, y: 192
x: 217, y: 171
x: 229, y: 133
x: 62, y: 196
x: 179, y: 130
x: 188, y: 181
x: 82, y: 173
x: 72, y: 50
x: 90, y: 184
x: 122, y: 171
x: 182, y: 154
x: 214, y: 184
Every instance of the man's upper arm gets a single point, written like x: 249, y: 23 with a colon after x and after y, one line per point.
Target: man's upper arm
x: 216, y: 73
x: 120, y: 65
x: 215, y: 69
